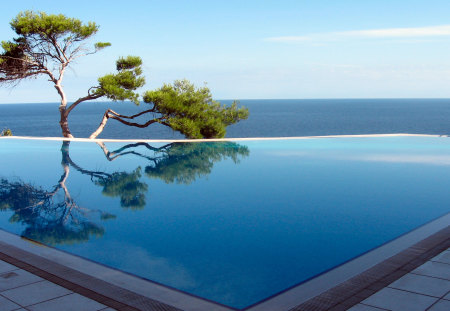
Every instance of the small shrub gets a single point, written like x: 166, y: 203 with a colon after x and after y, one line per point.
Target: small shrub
x: 6, y: 132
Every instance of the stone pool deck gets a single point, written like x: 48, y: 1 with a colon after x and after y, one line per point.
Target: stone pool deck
x: 416, y: 279
x: 425, y: 288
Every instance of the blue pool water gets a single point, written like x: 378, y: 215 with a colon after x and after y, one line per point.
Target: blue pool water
x: 233, y: 222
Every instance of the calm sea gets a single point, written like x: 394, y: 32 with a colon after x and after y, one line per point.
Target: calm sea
x: 268, y: 118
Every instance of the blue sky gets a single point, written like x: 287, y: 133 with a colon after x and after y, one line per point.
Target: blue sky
x: 260, y: 49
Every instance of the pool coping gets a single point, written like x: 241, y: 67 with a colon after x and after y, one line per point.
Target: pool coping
x: 344, y: 286
x: 217, y: 139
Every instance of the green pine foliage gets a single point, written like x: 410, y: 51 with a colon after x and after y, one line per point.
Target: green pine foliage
x: 192, y: 111
x: 121, y: 85
x: 31, y: 23
x: 44, y: 41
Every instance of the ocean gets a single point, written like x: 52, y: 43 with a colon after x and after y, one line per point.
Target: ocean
x: 268, y: 118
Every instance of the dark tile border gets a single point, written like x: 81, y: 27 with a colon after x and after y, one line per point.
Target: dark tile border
x: 360, y: 287
x: 88, y: 286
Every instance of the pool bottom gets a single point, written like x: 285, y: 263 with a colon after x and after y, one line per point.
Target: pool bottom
x: 114, y: 288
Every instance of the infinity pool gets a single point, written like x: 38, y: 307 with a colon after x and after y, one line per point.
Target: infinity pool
x: 232, y: 222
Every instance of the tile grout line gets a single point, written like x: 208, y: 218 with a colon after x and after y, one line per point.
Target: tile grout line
x: 445, y: 263
x: 412, y: 292
x: 16, y: 303
x: 50, y: 299
x: 2, y: 291
x: 434, y: 277
x: 434, y: 303
x: 365, y: 304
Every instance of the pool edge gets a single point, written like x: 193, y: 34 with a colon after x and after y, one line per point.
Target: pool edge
x: 344, y: 285
x: 219, y: 139
x: 109, y: 286
x: 357, y: 279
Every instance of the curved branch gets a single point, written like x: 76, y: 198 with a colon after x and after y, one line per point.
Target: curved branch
x: 133, y: 116
x: 16, y: 68
x: 116, y: 116
x: 112, y: 155
x: 80, y: 100
x: 20, y: 59
x: 94, y: 174
x: 135, y: 124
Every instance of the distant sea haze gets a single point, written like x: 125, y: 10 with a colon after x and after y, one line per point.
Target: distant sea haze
x: 268, y: 118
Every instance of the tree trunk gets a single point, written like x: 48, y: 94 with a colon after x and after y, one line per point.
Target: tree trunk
x: 101, y: 126
x: 63, y: 122
x: 64, y: 114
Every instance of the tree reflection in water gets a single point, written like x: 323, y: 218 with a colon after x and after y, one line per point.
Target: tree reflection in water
x: 53, y: 217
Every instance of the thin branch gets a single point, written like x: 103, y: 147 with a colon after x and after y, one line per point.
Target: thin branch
x: 116, y: 116
x: 133, y: 116
x: 111, y: 156
x: 157, y: 120
x: 80, y: 100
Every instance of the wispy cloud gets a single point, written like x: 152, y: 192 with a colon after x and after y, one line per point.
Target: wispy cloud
x: 417, y: 32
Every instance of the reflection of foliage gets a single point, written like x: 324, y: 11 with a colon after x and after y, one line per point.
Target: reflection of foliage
x: 127, y: 186
x: 184, y: 162
x: 47, y: 220
x: 118, y: 184
x: 53, y: 217
x: 181, y: 162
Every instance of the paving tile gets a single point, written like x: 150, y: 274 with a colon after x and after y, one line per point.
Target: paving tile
x: 441, y: 305
x: 35, y: 293
x: 338, y: 307
x: 114, y: 304
x: 6, y: 267
x: 72, y: 302
x: 361, y: 307
x: 434, y: 269
x: 443, y: 257
x: 398, y: 300
x: 17, y: 278
x: 365, y: 293
x: 423, y: 285
x: 447, y: 296
x: 7, y: 305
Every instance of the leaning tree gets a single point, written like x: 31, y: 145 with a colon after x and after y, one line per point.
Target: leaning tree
x: 46, y: 45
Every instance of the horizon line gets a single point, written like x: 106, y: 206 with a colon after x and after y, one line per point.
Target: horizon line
x: 228, y: 99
